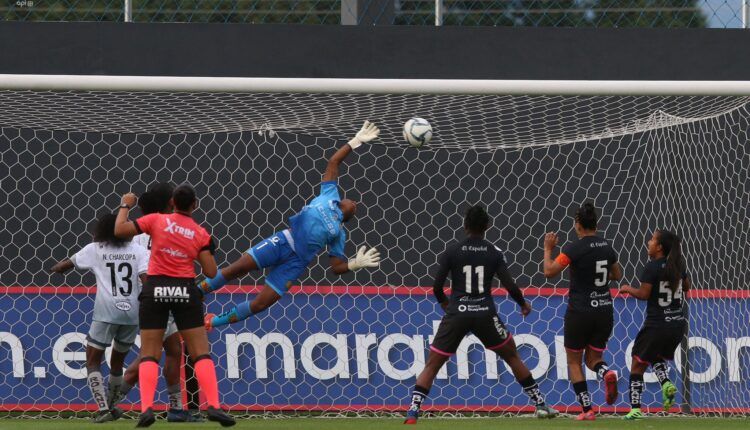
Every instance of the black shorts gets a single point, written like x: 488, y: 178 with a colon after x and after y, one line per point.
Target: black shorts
x: 489, y: 329
x: 657, y: 343
x: 587, y: 329
x: 164, y: 294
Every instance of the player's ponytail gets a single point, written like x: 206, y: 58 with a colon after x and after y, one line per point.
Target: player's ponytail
x: 477, y: 220
x: 104, y: 231
x: 671, y: 246
x: 586, y: 216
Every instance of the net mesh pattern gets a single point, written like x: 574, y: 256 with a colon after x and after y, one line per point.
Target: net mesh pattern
x: 646, y: 163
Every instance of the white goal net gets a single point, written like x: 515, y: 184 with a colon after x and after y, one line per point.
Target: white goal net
x: 355, y: 343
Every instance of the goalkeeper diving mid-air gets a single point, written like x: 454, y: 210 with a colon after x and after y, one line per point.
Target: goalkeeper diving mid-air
x: 289, y: 252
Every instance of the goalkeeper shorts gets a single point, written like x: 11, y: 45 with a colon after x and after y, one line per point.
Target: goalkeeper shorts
x: 276, y: 252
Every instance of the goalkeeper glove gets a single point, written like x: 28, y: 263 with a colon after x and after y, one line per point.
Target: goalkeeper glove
x: 369, y: 258
x: 368, y: 132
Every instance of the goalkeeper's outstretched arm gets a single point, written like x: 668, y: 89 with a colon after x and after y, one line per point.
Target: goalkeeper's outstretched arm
x: 368, y: 132
x: 364, y: 258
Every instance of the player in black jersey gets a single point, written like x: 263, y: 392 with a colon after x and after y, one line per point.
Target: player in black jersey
x: 589, y: 317
x: 472, y: 264
x: 664, y: 282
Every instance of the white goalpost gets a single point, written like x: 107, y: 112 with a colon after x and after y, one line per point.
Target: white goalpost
x: 649, y: 154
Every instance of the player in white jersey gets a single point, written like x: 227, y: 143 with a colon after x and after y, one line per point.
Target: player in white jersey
x: 158, y: 199
x: 120, y: 269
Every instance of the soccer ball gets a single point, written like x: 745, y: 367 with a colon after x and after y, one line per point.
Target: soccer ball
x: 417, y: 132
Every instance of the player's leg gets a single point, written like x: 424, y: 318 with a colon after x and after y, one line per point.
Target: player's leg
x: 196, y: 340
x: 148, y: 372
x: 172, y: 362
x: 287, y: 268
x: 636, y: 385
x: 240, y: 267
x: 244, y: 310
x: 602, y: 324
x: 494, y: 336
x: 668, y: 389
x: 666, y: 341
x: 450, y: 333
x: 423, y: 384
x: 129, y: 380
x: 189, y: 319
x: 267, y: 253
x: 123, y: 342
x: 576, y: 333
x: 152, y: 319
x: 99, y: 338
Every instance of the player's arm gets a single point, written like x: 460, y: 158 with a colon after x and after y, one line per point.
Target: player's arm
x: 206, y: 259
x: 339, y: 266
x: 641, y: 293
x: 364, y: 258
x: 550, y: 267
x: 62, y: 266
x: 437, y: 286
x: 648, y: 278
x: 686, y: 284
x: 368, y: 132
x: 507, y: 281
x: 615, y: 271
x: 125, y: 229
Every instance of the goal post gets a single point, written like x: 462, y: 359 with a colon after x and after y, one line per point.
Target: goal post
x: 648, y: 154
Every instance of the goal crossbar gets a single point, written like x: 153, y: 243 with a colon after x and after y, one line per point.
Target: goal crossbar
x: 370, y: 86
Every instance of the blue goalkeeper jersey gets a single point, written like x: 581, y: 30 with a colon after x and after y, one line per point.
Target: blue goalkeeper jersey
x: 318, y: 225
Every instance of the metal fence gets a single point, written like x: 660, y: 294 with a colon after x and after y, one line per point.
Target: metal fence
x: 535, y: 13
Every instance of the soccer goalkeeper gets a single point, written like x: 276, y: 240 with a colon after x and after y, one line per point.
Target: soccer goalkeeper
x: 289, y: 252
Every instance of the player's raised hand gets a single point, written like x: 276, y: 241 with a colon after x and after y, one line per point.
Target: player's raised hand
x: 526, y: 309
x: 365, y: 258
x: 550, y: 241
x: 368, y: 132
x: 129, y: 199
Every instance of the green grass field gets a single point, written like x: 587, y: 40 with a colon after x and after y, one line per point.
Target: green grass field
x: 395, y: 423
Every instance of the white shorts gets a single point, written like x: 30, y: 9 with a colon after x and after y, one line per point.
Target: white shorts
x: 101, y: 335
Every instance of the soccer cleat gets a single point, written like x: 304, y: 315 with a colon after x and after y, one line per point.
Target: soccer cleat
x: 207, y: 322
x: 102, y: 417
x: 116, y: 412
x: 195, y: 416
x: 545, y: 412
x: 412, y: 415
x: 634, y: 414
x: 220, y: 416
x: 586, y: 416
x: 177, y: 416
x: 668, y: 391
x: 610, y: 381
x: 147, y: 418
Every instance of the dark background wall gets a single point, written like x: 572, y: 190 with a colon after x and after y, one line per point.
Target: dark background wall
x: 693, y: 177
x: 373, y: 51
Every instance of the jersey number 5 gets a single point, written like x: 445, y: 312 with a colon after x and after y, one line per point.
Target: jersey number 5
x: 601, y: 277
x: 480, y: 278
x: 127, y: 278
